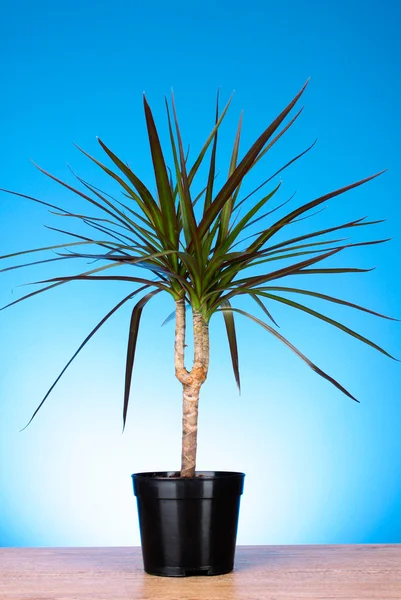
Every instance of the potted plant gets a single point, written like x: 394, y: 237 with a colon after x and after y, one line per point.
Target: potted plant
x: 200, y: 248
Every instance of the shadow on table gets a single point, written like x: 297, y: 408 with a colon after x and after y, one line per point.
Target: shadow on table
x: 267, y: 557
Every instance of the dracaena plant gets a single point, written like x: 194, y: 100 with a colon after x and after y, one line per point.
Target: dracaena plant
x: 198, y: 248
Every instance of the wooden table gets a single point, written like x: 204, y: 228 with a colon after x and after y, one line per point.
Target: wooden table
x: 261, y: 573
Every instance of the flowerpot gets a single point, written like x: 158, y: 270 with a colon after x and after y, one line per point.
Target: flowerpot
x: 188, y: 526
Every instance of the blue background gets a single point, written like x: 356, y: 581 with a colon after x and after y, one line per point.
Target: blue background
x: 320, y: 468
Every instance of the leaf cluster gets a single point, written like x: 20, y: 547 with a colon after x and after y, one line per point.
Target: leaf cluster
x: 198, y: 246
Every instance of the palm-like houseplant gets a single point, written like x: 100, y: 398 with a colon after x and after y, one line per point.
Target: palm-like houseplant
x: 192, y: 246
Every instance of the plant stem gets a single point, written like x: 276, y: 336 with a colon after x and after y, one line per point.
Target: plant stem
x: 179, y: 345
x: 191, y: 382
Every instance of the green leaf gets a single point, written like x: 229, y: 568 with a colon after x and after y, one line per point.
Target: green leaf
x: 106, y: 278
x: 49, y: 287
x: 114, y: 212
x: 328, y: 298
x: 279, y: 135
x: 304, y: 208
x: 142, y: 218
x: 88, y: 274
x: 330, y: 271
x: 291, y: 269
x: 244, y: 167
x: 36, y: 262
x: 193, y: 268
x: 132, y: 339
x: 263, y: 307
x: 120, y: 237
x: 125, y: 221
x: 288, y: 164
x: 86, y: 340
x: 268, y: 252
x: 56, y: 282
x: 44, y: 248
x: 262, y: 217
x: 235, y: 232
x: 212, y: 167
x: 296, y: 351
x: 289, y: 254
x: 162, y: 180
x: 221, y: 251
x: 186, y: 206
x: 251, y: 282
x: 322, y: 317
x: 144, y: 200
x: 201, y: 155
x: 232, y: 340
x: 357, y: 223
x: 228, y: 207
x: 42, y: 202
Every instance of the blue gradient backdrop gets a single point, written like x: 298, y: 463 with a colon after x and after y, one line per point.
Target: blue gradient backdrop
x: 320, y: 468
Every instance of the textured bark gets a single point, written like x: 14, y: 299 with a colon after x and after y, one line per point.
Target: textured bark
x: 179, y: 345
x: 190, y: 405
x: 206, y: 351
x: 191, y: 382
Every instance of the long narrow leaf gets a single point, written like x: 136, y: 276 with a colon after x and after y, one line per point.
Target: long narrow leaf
x: 44, y: 248
x: 252, y: 282
x: 357, y: 223
x: 279, y: 135
x: 331, y: 271
x: 212, y: 166
x: 31, y: 294
x: 86, y: 340
x: 144, y: 200
x: 132, y: 339
x: 322, y: 317
x: 266, y: 214
x: 36, y: 262
x: 201, y: 155
x: 296, y: 351
x: 288, y: 164
x: 185, y: 206
x: 162, y: 181
x: 114, y: 212
x: 186, y: 196
x: 263, y: 307
x: 234, y: 233
x: 54, y: 283
x: 304, y: 208
x: 288, y: 254
x: 232, y: 341
x: 228, y: 207
x: 296, y: 267
x: 125, y: 221
x: 37, y: 200
x: 326, y: 297
x: 244, y: 166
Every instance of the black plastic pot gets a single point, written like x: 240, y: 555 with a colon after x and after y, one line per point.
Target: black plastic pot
x: 188, y: 526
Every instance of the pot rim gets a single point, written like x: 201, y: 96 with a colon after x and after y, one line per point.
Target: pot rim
x: 199, y: 475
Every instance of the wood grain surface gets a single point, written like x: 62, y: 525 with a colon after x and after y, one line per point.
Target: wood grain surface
x: 262, y: 572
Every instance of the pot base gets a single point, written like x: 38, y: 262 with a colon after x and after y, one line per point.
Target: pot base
x: 187, y: 572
